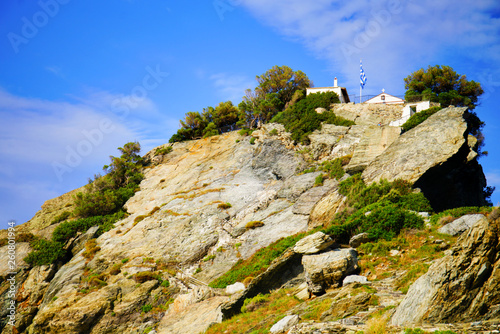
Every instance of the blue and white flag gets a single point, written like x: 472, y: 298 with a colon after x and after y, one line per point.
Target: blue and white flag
x: 362, y: 76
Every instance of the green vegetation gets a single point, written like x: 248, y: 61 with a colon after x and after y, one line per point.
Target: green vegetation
x: 146, y: 308
x: 252, y: 140
x: 45, y: 252
x: 382, y: 209
x: 421, y: 331
x: 442, y: 84
x: 278, y: 88
x: 318, y: 181
x: 273, y: 132
x: 257, y: 263
x: 163, y: 150
x: 301, y: 119
x: 99, y: 205
x: 62, y: 217
x: 419, y: 117
x: 106, y: 194
x: 211, y: 122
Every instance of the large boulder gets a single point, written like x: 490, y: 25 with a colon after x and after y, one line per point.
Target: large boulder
x: 313, y: 243
x: 433, y: 156
x: 463, y: 286
x: 460, y: 225
x: 326, y: 270
x: 284, y: 324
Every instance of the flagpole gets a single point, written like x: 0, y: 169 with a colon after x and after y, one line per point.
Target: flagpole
x: 360, y: 93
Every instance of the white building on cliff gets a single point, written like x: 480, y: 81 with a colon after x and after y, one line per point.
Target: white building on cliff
x: 341, y: 91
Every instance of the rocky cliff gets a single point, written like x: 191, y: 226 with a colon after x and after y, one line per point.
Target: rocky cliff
x: 195, y: 216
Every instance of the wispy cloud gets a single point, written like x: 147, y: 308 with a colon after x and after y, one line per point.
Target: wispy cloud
x: 232, y: 86
x: 391, y: 36
x: 56, y: 70
x: 65, y: 143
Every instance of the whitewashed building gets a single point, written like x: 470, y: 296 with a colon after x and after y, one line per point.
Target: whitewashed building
x: 341, y: 91
x: 384, y: 98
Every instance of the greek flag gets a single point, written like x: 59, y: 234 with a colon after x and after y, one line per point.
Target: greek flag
x: 362, y: 77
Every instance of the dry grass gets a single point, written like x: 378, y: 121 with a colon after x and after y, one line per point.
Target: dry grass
x: 377, y: 325
x: 254, y: 224
x: 415, y: 250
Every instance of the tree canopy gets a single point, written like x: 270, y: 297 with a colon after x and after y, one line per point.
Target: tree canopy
x: 442, y: 84
x: 275, y: 91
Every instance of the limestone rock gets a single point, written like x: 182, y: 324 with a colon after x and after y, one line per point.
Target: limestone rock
x: 322, y: 141
x: 460, y: 225
x: 359, y: 239
x: 462, y: 286
x: 354, y: 279
x: 196, y: 318
x: 326, y: 208
x: 294, y: 186
x: 434, y: 153
x: 307, y: 201
x: 235, y: 288
x: 284, y: 324
x: 273, y: 159
x: 313, y: 243
x: 322, y: 327
x: 375, y: 140
x: 327, y: 270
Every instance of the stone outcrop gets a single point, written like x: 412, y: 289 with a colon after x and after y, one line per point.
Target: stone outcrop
x: 358, y: 239
x: 434, y: 152
x: 460, y: 225
x: 326, y: 270
x: 462, y: 286
x: 313, y: 243
x: 284, y: 324
x: 375, y: 140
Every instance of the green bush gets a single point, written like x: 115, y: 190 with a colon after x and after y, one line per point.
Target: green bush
x: 381, y: 209
x: 419, y: 117
x: 382, y: 220
x: 319, y: 180
x: 273, y: 132
x: 59, y: 218
x: 333, y: 168
x: 252, y: 140
x: 301, y: 118
x: 146, y: 308
x: 163, y: 150
x: 45, y: 252
x: 107, y: 194
x: 257, y: 263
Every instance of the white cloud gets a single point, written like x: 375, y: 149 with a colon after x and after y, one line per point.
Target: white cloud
x: 231, y: 86
x: 392, y: 37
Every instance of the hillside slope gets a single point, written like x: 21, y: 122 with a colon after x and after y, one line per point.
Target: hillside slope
x: 205, y: 206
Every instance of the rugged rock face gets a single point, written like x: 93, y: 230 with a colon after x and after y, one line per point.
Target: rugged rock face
x: 434, y: 153
x: 460, y: 225
x: 376, y: 139
x: 188, y: 226
x: 462, y: 286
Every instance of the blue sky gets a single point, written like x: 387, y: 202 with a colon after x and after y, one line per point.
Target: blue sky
x: 80, y: 78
